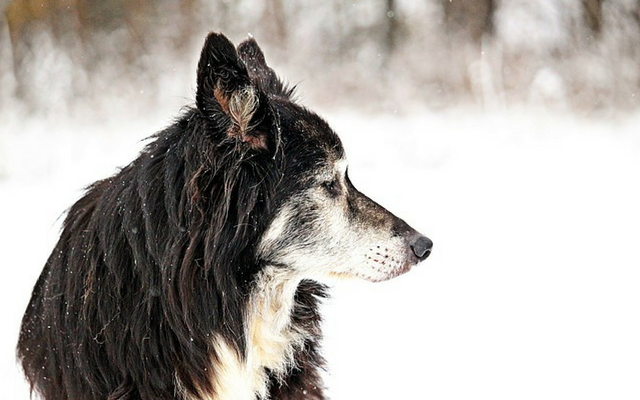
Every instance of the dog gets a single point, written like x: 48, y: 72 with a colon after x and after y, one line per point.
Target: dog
x: 196, y: 271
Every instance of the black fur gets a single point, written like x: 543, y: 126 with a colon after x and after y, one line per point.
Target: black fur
x: 155, y: 259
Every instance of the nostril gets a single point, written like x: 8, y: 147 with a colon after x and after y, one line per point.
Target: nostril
x: 421, y: 247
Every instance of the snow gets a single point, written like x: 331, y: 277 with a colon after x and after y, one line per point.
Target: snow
x: 532, y: 288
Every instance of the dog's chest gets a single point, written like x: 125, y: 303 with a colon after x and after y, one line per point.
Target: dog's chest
x: 272, y: 341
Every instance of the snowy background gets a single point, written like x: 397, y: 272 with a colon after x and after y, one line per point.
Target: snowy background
x: 517, y: 151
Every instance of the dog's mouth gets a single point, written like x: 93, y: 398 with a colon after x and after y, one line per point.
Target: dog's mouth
x: 391, y: 274
x: 375, y: 274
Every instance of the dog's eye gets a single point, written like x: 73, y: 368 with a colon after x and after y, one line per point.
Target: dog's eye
x: 332, y: 187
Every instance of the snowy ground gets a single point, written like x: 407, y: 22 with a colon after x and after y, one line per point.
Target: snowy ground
x: 532, y: 291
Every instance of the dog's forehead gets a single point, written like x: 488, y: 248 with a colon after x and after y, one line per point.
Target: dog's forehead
x: 316, y: 131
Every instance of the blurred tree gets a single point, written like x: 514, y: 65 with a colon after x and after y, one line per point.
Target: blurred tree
x: 23, y: 17
x: 592, y: 10
x: 188, y: 11
x: 393, y: 26
x: 274, y: 15
x: 470, y: 19
x: 117, y: 45
x: 6, y: 71
x: 104, y: 15
x: 78, y: 28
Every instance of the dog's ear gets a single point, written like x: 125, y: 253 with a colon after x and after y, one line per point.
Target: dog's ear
x: 259, y: 71
x: 225, y: 93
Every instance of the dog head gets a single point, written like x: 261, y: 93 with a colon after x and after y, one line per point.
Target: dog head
x: 320, y: 225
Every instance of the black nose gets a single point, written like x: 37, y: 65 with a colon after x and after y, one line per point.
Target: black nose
x: 421, y: 247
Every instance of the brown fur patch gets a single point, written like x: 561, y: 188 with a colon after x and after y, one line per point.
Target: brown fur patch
x: 240, y: 107
x: 243, y: 103
x: 222, y: 98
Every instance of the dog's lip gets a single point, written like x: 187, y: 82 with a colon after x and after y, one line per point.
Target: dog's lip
x: 394, y: 273
x: 408, y: 265
x: 343, y: 275
x: 402, y: 270
x: 369, y: 278
x: 387, y: 275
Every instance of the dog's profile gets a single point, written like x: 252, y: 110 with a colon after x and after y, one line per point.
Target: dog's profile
x: 195, y: 272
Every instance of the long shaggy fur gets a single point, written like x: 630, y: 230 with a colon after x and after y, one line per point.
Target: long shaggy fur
x: 191, y: 274
x: 150, y: 263
x: 154, y: 260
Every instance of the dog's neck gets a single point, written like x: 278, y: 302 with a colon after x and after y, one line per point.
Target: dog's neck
x: 271, y: 336
x: 272, y: 339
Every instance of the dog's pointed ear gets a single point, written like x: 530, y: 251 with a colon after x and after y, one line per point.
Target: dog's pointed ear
x: 225, y: 93
x: 259, y: 71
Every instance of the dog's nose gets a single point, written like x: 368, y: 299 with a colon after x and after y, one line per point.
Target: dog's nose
x: 421, y: 247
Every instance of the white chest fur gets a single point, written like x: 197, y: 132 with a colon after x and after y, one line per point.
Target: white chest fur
x: 271, y: 340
